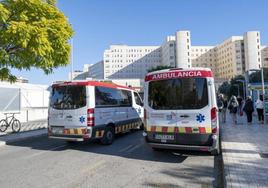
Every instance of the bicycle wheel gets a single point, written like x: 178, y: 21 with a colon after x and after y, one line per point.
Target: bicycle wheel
x: 16, y: 125
x: 3, y: 125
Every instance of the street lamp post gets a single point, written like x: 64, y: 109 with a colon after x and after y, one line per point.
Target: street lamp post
x: 238, y: 93
x: 263, y: 94
x: 72, y: 58
x: 244, y: 87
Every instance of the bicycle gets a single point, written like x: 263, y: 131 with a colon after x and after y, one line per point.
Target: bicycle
x: 10, y: 121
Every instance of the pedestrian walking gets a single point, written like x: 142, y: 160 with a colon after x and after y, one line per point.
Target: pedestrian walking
x: 233, y: 107
x: 222, y: 106
x: 240, y: 103
x: 260, y: 107
x: 249, y: 109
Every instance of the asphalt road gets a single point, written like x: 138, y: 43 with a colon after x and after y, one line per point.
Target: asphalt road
x: 129, y: 162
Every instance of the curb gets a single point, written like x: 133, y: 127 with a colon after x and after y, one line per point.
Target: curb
x: 8, y: 139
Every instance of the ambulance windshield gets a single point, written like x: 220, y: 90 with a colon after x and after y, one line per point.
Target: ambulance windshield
x: 178, y: 93
x: 68, y: 97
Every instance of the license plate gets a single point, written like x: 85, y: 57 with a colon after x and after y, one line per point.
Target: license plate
x: 164, y: 137
x: 57, y: 130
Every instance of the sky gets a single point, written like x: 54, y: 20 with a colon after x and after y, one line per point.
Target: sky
x: 100, y: 23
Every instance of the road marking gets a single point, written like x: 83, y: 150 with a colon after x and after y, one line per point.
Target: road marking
x: 42, y: 152
x: 92, y: 169
x: 126, y: 148
x: 133, y: 148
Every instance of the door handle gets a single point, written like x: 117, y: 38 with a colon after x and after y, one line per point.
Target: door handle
x: 69, y: 116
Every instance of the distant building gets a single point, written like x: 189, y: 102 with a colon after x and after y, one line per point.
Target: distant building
x: 22, y: 80
x: 232, y: 57
x: 122, y: 61
x: 264, y: 56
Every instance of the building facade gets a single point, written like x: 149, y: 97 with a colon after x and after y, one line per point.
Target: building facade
x: 232, y: 57
x: 122, y: 61
x: 264, y: 56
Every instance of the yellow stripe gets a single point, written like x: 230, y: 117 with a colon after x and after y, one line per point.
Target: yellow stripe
x: 148, y: 128
x: 71, y: 131
x: 182, y: 130
x: 170, y: 130
x: 102, y: 133
x: 208, y: 129
x: 158, y: 129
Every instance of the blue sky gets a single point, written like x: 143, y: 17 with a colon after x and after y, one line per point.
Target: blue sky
x: 100, y: 23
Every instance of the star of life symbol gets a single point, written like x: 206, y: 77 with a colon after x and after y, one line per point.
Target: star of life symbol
x: 82, y: 119
x: 200, y: 118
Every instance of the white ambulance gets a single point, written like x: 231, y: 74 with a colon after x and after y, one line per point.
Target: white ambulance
x: 84, y: 110
x: 181, y: 110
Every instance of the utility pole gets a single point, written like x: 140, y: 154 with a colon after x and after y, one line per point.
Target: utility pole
x: 72, y: 58
x: 263, y: 94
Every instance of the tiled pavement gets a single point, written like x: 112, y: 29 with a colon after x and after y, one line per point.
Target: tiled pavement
x: 245, y: 153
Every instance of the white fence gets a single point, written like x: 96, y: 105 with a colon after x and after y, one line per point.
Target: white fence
x: 28, y: 101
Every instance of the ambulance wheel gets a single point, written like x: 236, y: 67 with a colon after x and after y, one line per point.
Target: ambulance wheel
x: 108, y: 136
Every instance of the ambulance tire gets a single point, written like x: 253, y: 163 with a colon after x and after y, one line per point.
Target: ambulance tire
x: 108, y: 136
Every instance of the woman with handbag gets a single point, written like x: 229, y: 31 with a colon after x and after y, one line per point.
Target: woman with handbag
x: 233, y: 107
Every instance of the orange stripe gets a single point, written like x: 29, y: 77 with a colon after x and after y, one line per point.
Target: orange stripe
x: 176, y: 129
x: 153, y: 128
x: 75, y: 131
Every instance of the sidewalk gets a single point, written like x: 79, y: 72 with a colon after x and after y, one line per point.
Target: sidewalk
x: 245, y: 153
x: 28, y: 130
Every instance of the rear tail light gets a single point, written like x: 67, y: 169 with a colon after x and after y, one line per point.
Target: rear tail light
x: 214, y: 130
x: 213, y: 113
x: 90, y: 117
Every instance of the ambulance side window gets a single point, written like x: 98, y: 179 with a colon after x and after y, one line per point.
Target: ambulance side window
x: 138, y: 99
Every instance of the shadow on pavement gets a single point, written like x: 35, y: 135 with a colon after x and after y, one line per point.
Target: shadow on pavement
x: 129, y: 145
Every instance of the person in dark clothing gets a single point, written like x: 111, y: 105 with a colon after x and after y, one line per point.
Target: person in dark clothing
x: 240, y: 103
x: 260, y: 109
x: 249, y: 109
x: 222, y: 106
